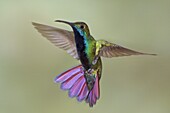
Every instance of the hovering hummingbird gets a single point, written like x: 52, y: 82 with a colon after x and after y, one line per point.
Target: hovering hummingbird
x: 82, y: 81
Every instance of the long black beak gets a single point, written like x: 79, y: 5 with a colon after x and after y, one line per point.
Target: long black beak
x: 69, y: 23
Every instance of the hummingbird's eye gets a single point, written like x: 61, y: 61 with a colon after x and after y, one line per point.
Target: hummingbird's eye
x: 82, y: 26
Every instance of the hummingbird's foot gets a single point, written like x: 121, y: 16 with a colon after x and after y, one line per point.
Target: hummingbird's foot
x: 90, y: 71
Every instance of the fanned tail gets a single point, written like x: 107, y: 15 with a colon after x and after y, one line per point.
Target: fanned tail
x: 74, y: 81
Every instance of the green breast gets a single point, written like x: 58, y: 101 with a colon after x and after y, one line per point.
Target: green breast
x: 90, y: 45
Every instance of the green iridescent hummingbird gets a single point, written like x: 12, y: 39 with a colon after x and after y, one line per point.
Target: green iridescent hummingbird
x: 82, y: 81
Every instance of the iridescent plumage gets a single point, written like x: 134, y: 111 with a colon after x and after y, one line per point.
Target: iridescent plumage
x: 82, y: 81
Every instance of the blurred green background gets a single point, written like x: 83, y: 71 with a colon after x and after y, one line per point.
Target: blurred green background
x: 29, y: 62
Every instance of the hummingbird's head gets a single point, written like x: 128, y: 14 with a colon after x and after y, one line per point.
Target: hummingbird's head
x: 79, y: 27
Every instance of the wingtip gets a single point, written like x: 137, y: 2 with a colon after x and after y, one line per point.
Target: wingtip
x: 35, y: 24
x: 149, y: 54
x: 154, y: 54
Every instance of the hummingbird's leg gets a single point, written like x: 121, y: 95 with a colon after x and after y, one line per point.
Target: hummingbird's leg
x: 90, y: 71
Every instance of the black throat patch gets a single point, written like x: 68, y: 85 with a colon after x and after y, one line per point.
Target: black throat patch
x: 81, y: 47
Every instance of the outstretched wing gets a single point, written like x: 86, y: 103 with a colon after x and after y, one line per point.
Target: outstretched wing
x: 61, y: 38
x: 109, y: 50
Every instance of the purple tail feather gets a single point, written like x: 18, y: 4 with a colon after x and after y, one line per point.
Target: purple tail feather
x: 74, y: 81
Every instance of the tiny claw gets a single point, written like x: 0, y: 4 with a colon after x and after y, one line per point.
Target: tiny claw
x: 90, y: 71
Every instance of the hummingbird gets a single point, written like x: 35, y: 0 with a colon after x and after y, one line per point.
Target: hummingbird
x: 82, y: 81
